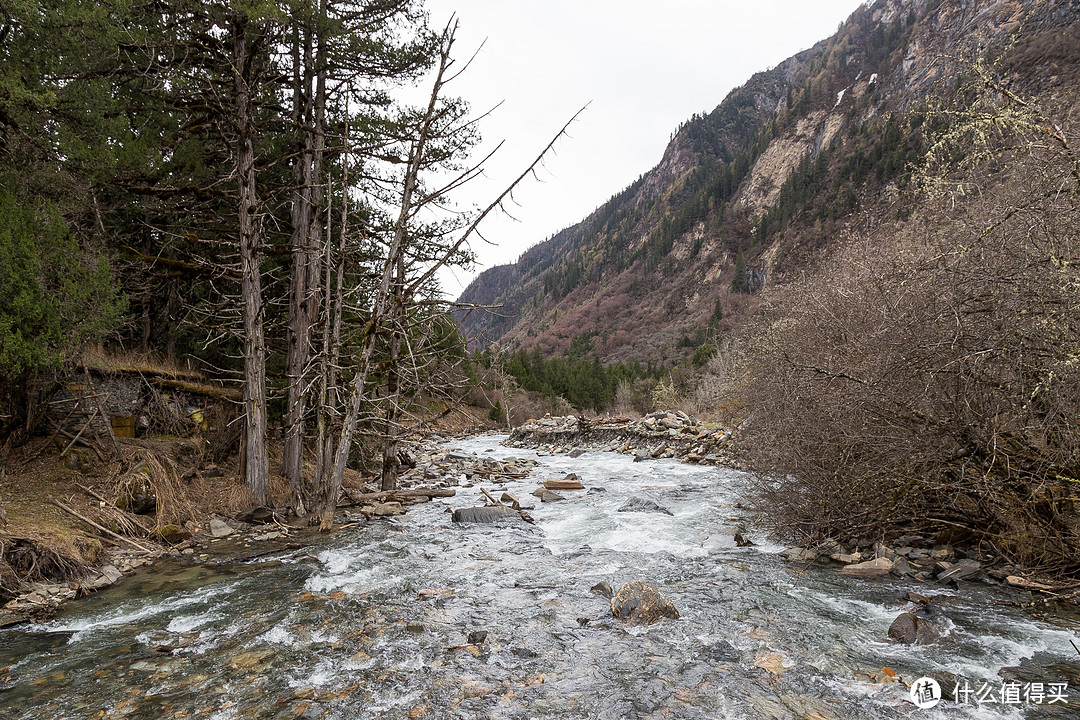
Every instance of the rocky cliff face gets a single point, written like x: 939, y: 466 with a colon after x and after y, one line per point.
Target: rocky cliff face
x: 784, y: 167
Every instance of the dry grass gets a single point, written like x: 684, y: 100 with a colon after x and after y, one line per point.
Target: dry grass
x: 107, y: 361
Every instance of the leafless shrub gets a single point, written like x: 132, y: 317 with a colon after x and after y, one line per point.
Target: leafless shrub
x: 931, y: 379
x: 720, y: 390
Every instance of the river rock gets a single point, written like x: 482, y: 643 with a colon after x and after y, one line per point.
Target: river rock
x: 570, y: 482
x: 902, y: 568
x: 871, y: 568
x: 942, y: 552
x: 484, y: 514
x: 256, y: 515
x: 846, y: 558
x: 219, y: 528
x: 799, y: 555
x: 107, y: 576
x: 382, y: 509
x: 602, y: 589
x: 962, y: 570
x: 910, y: 629
x: 546, y: 495
x: 636, y: 504
x: 642, y: 602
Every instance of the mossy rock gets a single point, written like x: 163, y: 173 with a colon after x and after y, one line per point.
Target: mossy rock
x: 172, y: 534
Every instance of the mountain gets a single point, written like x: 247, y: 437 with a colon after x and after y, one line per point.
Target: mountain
x: 754, y: 192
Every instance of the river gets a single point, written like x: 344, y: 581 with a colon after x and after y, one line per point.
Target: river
x: 339, y: 629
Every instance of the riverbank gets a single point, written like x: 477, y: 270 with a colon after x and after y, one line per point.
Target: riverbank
x: 416, y: 616
x: 77, y: 521
x: 202, y: 516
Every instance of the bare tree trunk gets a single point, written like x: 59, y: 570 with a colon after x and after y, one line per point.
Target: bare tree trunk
x: 390, y: 440
x: 329, y: 485
x: 299, y: 321
x: 256, y: 460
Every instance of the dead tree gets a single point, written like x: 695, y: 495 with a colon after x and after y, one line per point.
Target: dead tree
x: 395, y: 291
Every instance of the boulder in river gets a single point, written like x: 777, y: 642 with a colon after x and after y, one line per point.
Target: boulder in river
x: 482, y: 514
x: 642, y: 602
x: 911, y: 629
x: 546, y: 495
x: 636, y: 504
x: 962, y: 570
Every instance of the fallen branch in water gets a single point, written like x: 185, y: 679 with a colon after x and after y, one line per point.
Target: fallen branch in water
x: 429, y: 492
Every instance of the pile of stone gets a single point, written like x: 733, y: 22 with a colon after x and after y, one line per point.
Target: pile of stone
x: 429, y: 471
x: 664, y: 434
x: 450, y: 468
x: 39, y: 603
x: 906, y: 558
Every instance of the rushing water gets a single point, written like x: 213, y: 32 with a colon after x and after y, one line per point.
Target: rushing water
x: 341, y: 630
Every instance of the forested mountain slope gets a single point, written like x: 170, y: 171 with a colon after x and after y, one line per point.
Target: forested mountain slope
x: 751, y: 193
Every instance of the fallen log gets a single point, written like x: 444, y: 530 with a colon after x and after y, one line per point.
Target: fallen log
x: 429, y: 492
x: 566, y: 483
x: 108, y: 503
x: 101, y: 528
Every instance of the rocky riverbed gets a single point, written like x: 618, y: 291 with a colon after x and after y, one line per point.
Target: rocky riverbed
x: 431, y: 470
x: 605, y: 607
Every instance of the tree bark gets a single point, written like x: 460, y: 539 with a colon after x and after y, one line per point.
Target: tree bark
x: 299, y: 321
x: 256, y: 459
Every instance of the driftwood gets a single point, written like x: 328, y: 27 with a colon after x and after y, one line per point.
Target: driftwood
x: 500, y: 473
x: 211, y: 391
x: 392, y: 495
x: 101, y: 528
x: 1021, y: 582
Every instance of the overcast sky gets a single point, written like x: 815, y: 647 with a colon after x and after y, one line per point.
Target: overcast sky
x: 644, y: 66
